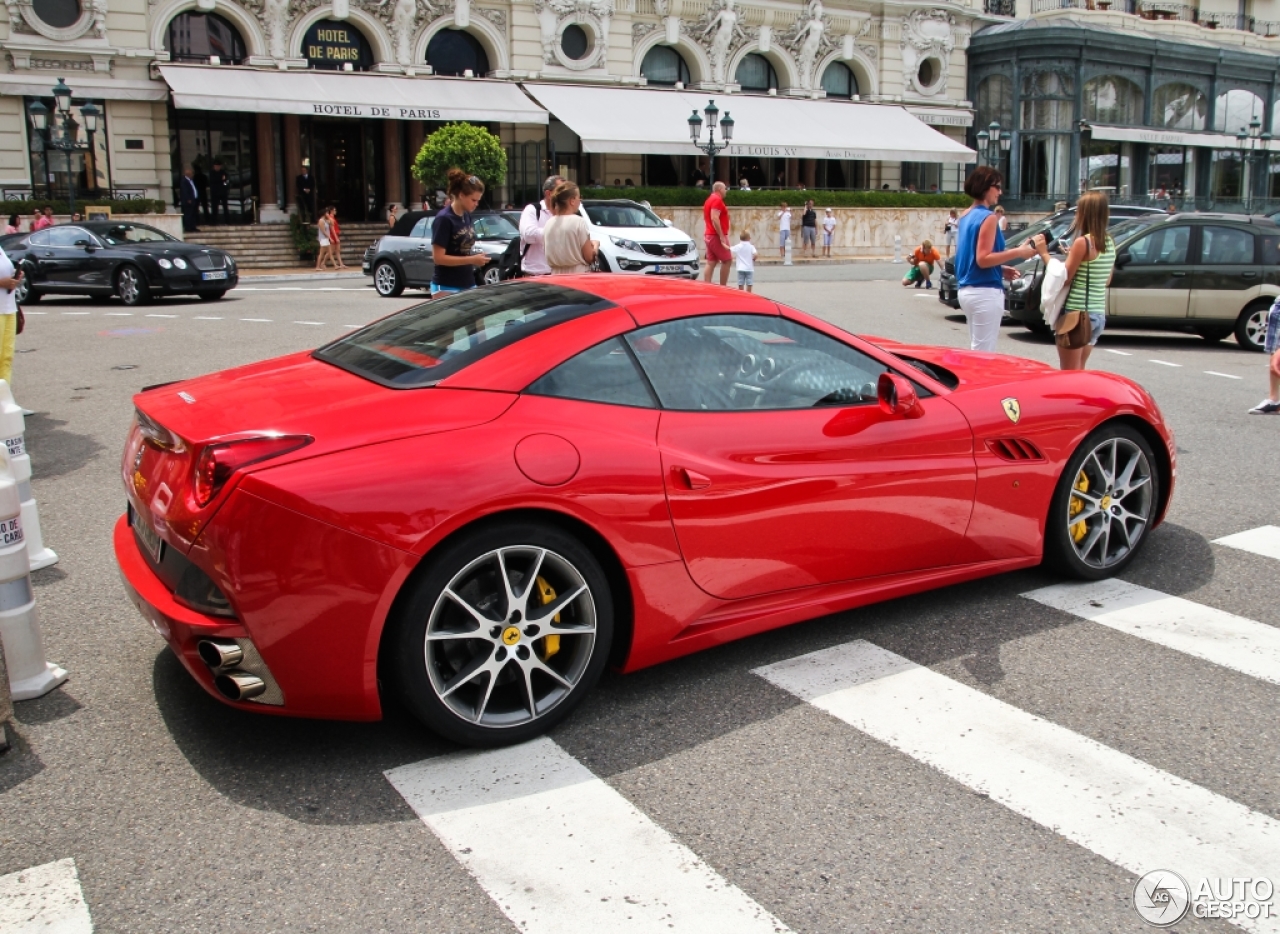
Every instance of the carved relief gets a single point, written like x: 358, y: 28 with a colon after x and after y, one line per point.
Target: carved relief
x: 809, y: 38
x: 555, y: 15
x: 721, y: 34
x: 640, y: 30
x: 870, y: 51
x: 497, y: 17
x: 17, y: 23
x: 927, y: 35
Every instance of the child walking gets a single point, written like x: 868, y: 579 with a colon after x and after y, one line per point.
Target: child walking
x: 744, y: 253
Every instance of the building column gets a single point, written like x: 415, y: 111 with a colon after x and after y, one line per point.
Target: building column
x: 810, y: 173
x: 391, y: 162
x: 416, y: 134
x: 292, y: 133
x: 268, y: 198
x: 793, y: 173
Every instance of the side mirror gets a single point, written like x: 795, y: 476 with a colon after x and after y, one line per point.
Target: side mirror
x: 897, y: 396
x: 1123, y: 258
x: 86, y: 244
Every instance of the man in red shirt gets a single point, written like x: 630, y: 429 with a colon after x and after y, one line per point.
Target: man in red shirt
x: 716, y: 215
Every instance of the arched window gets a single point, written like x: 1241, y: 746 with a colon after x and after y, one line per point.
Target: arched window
x: 994, y: 102
x: 1179, y: 107
x: 1047, y: 101
x: 196, y: 37
x: 1112, y: 99
x: 755, y: 73
x: 663, y: 66
x: 332, y: 44
x: 838, y: 81
x: 454, y: 51
x: 1235, y: 109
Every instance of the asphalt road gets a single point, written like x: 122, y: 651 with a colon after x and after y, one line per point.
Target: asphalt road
x: 183, y: 815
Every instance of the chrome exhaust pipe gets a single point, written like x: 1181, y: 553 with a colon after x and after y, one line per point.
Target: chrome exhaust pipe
x: 220, y: 654
x: 239, y: 685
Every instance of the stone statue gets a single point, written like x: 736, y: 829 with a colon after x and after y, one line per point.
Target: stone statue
x: 275, y: 22
x: 548, y: 18
x: 809, y: 42
x: 725, y: 26
x: 404, y: 21
x: 99, y: 10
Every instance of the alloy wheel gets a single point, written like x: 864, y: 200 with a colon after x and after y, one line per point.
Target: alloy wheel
x: 492, y: 275
x: 385, y: 279
x: 1255, y: 327
x: 1111, y: 503
x: 510, y: 637
x: 129, y: 286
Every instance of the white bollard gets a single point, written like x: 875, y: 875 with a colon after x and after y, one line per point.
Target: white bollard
x: 897, y: 248
x: 786, y: 259
x: 13, y: 428
x: 29, y: 674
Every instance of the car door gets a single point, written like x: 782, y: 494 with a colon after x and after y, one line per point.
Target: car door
x: 1228, y: 276
x: 1153, y: 275
x: 415, y: 253
x: 781, y: 469
x: 69, y: 261
x: 38, y: 258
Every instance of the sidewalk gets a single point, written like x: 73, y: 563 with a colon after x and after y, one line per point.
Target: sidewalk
x: 289, y: 274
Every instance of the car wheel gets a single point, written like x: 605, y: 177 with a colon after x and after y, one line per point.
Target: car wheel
x: 1251, y: 326
x: 211, y: 296
x: 503, y: 635
x: 492, y: 275
x: 25, y: 293
x: 1103, y: 505
x: 387, y: 280
x: 1213, y: 335
x: 131, y: 286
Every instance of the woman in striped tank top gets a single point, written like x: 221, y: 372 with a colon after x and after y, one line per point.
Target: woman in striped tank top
x: 1089, y: 266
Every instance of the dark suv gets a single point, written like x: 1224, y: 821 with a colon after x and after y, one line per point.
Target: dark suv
x: 404, y: 258
x: 1210, y: 274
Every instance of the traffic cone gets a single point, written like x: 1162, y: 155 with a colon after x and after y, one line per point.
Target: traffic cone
x: 13, y: 428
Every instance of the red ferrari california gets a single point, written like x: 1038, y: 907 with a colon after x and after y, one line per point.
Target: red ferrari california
x: 481, y: 501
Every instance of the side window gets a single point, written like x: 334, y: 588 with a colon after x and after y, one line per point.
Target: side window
x: 1166, y: 246
x: 731, y: 362
x: 1226, y: 246
x: 39, y: 238
x: 605, y: 373
x: 1271, y: 250
x: 422, y: 229
x: 67, y: 236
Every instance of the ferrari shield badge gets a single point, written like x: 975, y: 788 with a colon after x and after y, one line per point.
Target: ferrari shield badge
x: 1012, y: 409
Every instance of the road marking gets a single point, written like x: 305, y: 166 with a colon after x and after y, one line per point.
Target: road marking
x: 1223, y: 375
x: 1131, y: 813
x: 1200, y: 631
x: 76, y: 312
x: 267, y: 320
x: 1164, y: 363
x: 562, y: 852
x: 1123, y: 353
x: 309, y: 322
x: 119, y: 314
x: 161, y: 316
x: 1263, y: 541
x: 205, y: 318
x: 44, y: 898
x: 25, y: 312
x: 353, y: 325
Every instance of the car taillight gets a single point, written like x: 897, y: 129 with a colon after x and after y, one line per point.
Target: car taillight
x: 220, y: 460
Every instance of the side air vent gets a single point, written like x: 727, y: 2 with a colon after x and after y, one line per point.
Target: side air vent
x: 1015, y: 449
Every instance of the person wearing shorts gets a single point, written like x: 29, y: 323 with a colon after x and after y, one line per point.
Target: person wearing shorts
x: 784, y: 229
x: 715, y: 214
x: 744, y: 251
x: 809, y: 230
x: 828, y: 231
x: 1271, y: 404
x: 949, y: 232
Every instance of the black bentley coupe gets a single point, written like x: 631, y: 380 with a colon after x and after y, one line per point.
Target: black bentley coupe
x: 132, y: 261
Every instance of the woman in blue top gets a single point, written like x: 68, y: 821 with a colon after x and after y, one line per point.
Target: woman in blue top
x: 980, y: 259
x: 453, y: 236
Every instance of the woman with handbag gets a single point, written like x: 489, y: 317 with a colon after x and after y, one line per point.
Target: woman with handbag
x: 1090, y: 262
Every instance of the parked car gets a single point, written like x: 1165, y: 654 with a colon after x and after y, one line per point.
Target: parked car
x: 635, y: 240
x: 404, y: 259
x: 480, y: 502
x: 132, y: 261
x: 1055, y: 226
x: 1209, y: 274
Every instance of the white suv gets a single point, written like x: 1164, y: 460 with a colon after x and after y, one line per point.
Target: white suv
x: 635, y: 240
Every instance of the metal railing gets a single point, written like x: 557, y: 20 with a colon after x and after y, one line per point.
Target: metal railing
x: 1151, y: 10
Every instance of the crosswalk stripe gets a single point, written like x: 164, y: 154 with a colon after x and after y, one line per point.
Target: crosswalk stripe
x: 1263, y: 541
x: 1128, y: 812
x: 44, y: 898
x: 1201, y: 631
x: 562, y: 852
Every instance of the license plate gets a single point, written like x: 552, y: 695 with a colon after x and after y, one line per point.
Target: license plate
x: 146, y: 534
x: 670, y: 268
x: 220, y: 274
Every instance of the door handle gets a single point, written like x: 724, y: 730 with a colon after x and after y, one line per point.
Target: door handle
x: 1249, y: 275
x: 690, y: 479
x: 1179, y: 274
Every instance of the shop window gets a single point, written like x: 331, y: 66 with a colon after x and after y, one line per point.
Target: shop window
x: 1045, y: 162
x: 994, y: 102
x: 838, y: 81
x: 1105, y: 167
x: 1112, y: 99
x: 197, y: 37
x: 60, y: 14
x: 575, y: 43
x: 332, y: 45
x: 755, y: 73
x: 1225, y: 175
x: 664, y: 67
x: 1235, y: 109
x: 199, y: 137
x: 1171, y: 171
x: 1047, y: 101
x: 922, y: 176
x: 1179, y: 107
x: 455, y: 52
x: 54, y: 171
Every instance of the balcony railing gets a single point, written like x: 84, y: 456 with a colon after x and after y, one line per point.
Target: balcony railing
x: 1000, y: 7
x: 1155, y: 10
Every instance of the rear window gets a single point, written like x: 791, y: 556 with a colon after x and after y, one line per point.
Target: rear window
x: 422, y: 345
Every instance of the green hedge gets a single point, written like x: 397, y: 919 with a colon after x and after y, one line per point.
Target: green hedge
x: 27, y: 208
x: 693, y: 197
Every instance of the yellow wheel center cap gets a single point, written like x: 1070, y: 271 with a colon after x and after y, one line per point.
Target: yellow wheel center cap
x: 1106, y: 502
x: 510, y: 635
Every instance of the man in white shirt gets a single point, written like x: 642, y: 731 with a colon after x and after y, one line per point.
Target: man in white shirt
x: 784, y: 229
x: 533, y: 220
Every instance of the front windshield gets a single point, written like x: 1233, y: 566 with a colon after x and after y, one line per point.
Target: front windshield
x: 621, y: 214
x: 494, y: 227
x: 132, y: 233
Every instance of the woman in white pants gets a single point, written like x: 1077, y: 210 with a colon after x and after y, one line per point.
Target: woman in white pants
x: 980, y: 259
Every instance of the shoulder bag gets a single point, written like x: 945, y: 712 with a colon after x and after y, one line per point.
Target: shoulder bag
x: 1075, y: 329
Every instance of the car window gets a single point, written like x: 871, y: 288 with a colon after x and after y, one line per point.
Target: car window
x: 422, y: 345
x: 67, y: 236
x: 39, y: 238
x: 1271, y: 250
x: 605, y: 373
x: 621, y: 214
x: 131, y: 233
x: 1167, y: 245
x: 1226, y: 246
x: 422, y: 229
x: 729, y: 362
x: 494, y: 227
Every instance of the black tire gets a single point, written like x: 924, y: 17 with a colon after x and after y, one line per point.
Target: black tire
x: 1071, y: 527
x: 1214, y: 335
x: 211, y: 296
x: 1038, y: 328
x: 387, y: 280
x: 132, y: 286
x: 26, y: 293
x: 498, y: 668
x: 1251, y: 326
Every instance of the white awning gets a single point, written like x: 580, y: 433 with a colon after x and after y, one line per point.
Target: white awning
x: 85, y: 86
x: 349, y: 94
x: 1142, y: 134
x: 654, y: 122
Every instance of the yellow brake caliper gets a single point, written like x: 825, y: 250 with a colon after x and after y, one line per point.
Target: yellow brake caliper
x: 1076, y: 506
x: 548, y: 645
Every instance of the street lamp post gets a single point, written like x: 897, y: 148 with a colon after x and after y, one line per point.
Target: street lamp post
x: 993, y: 144
x: 63, y: 129
x: 1254, y: 147
x: 711, y: 147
